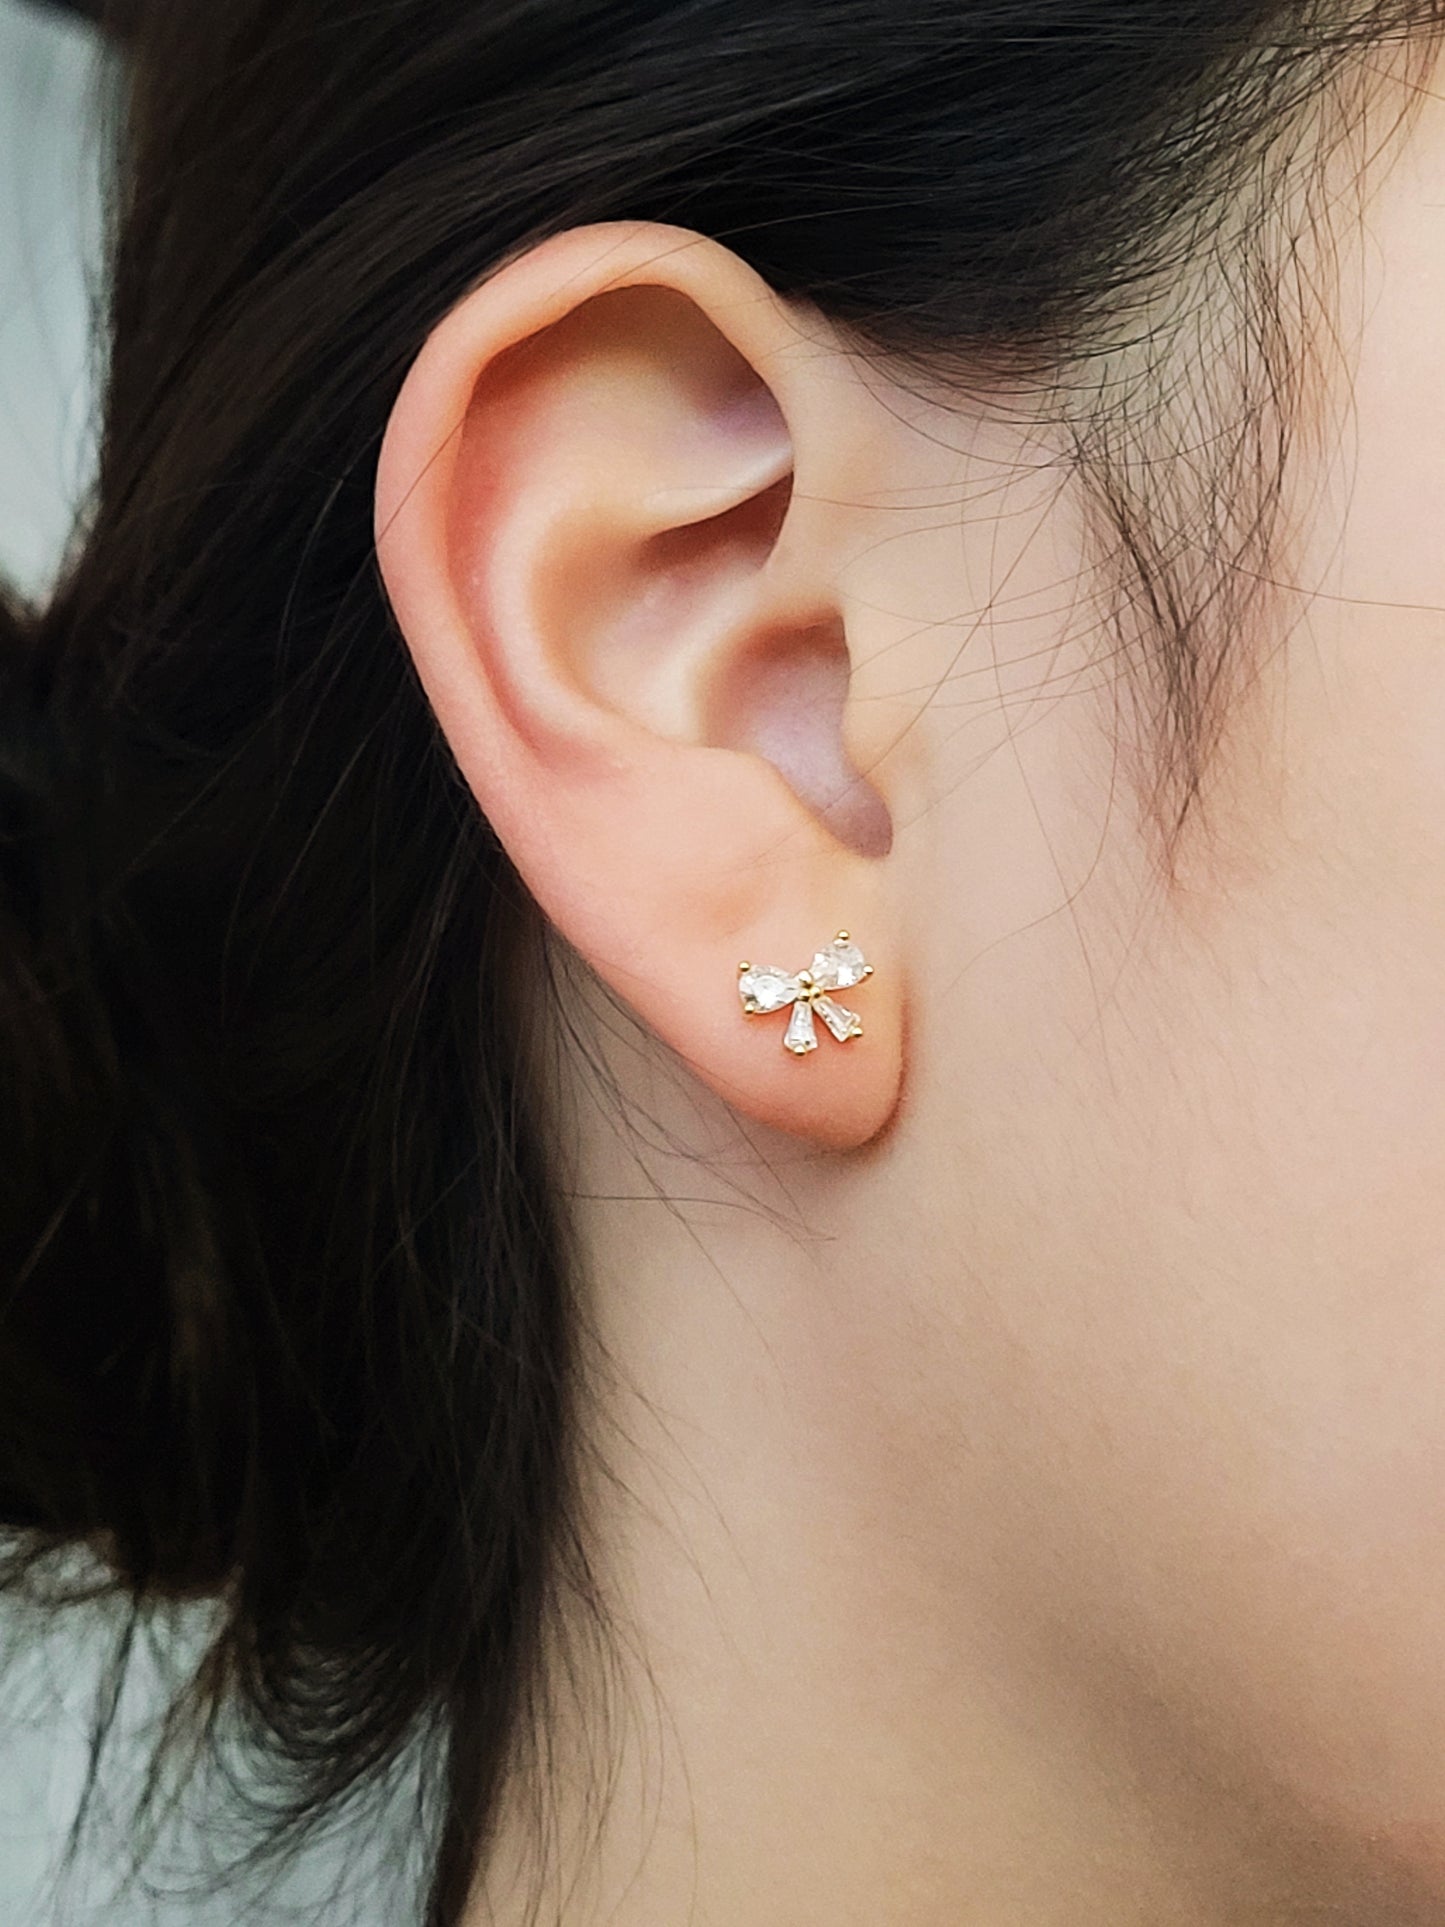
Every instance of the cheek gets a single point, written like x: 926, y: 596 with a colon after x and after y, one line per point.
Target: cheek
x: 1293, y: 1224
x: 1200, y: 1176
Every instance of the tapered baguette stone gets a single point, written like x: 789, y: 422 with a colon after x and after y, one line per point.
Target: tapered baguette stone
x: 843, y: 1023
x: 800, y: 1037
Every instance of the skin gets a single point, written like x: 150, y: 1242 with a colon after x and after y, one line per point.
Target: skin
x: 1013, y: 1443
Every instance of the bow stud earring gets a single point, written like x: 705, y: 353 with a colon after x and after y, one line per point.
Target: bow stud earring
x: 840, y: 965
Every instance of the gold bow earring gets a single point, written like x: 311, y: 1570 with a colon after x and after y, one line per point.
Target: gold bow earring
x: 765, y: 989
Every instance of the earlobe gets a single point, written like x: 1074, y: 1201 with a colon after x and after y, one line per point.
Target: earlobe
x: 627, y: 618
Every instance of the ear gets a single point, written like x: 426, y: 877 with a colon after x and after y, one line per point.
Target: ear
x: 611, y: 512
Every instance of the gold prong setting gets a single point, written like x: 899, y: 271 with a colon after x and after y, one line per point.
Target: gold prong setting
x: 807, y: 994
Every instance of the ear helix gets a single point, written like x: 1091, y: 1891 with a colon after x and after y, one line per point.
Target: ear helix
x: 838, y: 966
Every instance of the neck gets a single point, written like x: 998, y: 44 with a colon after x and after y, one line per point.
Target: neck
x: 821, y: 1697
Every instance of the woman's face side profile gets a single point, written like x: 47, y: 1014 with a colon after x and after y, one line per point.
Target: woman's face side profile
x: 1092, y: 1410
x: 987, y: 1470
x: 1176, y: 1285
x: 1171, y: 1181
x: 1178, y: 1297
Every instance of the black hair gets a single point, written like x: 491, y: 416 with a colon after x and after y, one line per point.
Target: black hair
x: 288, y: 1312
